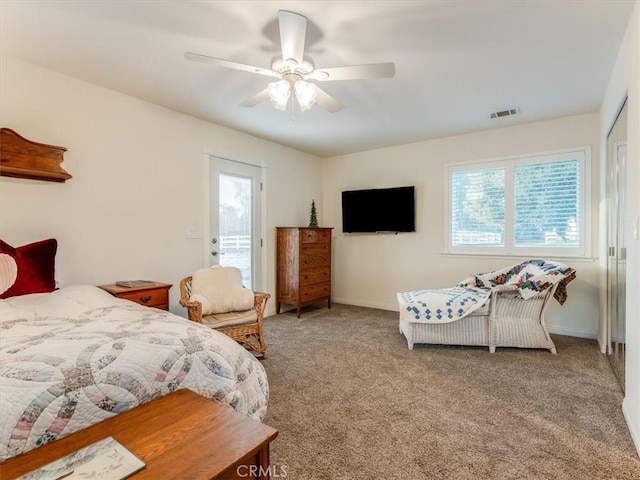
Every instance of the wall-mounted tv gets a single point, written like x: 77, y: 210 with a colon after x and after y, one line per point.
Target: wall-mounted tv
x: 379, y: 210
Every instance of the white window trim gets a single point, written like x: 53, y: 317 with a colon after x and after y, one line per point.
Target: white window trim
x: 509, y: 162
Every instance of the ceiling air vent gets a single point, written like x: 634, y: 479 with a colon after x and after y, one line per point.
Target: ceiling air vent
x: 505, y: 113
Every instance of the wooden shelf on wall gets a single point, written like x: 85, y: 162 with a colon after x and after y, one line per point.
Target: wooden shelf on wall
x: 23, y: 158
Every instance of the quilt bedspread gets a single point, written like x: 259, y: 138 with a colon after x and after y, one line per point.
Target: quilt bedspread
x: 76, y: 356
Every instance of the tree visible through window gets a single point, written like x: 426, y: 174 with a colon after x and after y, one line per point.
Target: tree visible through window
x: 520, y: 205
x: 478, y: 207
x: 547, y: 203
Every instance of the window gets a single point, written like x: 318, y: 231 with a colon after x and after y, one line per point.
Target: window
x: 526, y: 205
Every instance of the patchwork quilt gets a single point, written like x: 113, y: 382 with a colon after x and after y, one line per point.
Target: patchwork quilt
x: 451, y: 304
x: 443, y: 305
x: 76, y: 356
x: 530, y: 278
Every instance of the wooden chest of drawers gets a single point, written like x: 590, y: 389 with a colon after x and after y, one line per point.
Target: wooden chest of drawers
x: 303, y: 266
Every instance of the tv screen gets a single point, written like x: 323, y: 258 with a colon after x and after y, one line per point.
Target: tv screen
x: 379, y: 210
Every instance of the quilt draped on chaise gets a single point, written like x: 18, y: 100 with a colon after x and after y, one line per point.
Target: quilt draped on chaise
x: 451, y: 304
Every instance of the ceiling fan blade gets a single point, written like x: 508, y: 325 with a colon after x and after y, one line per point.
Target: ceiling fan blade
x: 229, y: 64
x: 293, y: 32
x: 327, y: 101
x: 256, y: 99
x: 354, y: 72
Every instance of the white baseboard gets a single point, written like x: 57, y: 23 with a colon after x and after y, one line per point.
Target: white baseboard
x: 572, y: 332
x: 634, y: 428
x: 381, y: 306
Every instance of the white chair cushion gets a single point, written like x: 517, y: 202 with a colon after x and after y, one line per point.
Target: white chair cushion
x: 219, y: 290
x: 230, y: 319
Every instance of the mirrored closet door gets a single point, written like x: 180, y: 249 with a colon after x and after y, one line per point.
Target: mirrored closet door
x: 617, y: 252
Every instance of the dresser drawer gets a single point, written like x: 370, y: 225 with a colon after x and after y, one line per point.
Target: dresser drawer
x: 149, y: 298
x: 315, y: 236
x: 308, y: 261
x: 312, y: 292
x: 314, y: 248
x: 315, y: 275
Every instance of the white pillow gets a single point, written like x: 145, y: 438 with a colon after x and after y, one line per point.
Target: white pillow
x: 219, y: 290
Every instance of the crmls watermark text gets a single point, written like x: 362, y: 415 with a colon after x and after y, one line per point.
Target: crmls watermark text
x: 258, y: 471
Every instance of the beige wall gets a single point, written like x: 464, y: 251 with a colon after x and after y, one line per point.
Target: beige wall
x: 370, y: 269
x: 138, y: 180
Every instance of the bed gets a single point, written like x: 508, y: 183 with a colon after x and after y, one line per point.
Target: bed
x: 75, y: 356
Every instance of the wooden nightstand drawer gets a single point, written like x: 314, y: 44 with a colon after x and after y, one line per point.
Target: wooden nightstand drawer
x: 154, y: 295
x: 150, y: 298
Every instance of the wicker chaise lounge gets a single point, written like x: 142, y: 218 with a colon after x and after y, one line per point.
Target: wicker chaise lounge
x: 504, y: 308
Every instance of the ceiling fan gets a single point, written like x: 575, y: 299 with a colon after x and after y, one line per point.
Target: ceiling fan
x: 294, y: 70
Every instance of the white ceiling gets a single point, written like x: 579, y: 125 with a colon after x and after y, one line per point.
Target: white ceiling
x: 456, y: 61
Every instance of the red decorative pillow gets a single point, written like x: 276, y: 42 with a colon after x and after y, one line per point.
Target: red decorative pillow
x: 27, y: 269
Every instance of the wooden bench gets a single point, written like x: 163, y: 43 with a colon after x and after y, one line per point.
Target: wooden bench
x: 181, y: 435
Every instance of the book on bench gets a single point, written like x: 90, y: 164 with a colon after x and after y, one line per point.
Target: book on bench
x: 106, y: 459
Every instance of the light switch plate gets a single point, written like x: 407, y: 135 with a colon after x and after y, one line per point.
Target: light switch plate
x: 194, y: 233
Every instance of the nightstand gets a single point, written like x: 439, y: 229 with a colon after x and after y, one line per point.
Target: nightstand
x: 154, y: 295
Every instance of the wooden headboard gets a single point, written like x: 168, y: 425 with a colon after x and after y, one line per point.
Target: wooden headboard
x: 24, y: 158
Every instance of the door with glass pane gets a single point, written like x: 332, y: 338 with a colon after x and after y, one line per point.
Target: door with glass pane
x: 235, y: 191
x: 617, y: 252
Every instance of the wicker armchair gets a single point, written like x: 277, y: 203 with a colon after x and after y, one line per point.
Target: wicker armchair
x: 244, y: 327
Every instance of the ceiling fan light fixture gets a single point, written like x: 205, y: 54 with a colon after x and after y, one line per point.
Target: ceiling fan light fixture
x: 305, y: 94
x: 279, y: 93
x: 293, y: 68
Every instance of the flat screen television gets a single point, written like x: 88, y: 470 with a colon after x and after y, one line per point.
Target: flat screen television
x: 379, y: 210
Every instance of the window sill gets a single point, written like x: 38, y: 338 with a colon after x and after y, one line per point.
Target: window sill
x: 518, y: 256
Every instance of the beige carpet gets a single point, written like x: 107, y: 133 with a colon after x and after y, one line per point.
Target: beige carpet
x: 350, y: 401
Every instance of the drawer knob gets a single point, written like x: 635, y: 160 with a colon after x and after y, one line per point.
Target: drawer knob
x: 145, y: 299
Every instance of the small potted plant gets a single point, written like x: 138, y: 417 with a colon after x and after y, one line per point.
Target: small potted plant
x: 313, y: 220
